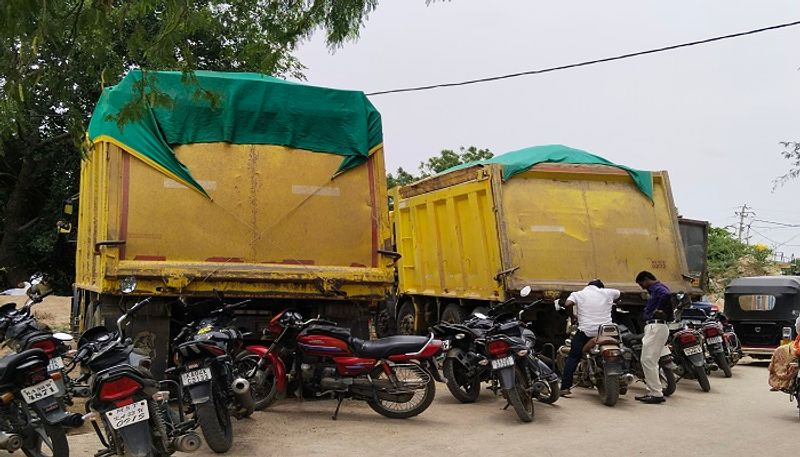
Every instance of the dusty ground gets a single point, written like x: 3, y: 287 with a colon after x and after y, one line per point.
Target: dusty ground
x: 740, y: 416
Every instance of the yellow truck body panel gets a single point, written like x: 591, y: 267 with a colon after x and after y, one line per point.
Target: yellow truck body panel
x: 278, y: 224
x: 468, y: 235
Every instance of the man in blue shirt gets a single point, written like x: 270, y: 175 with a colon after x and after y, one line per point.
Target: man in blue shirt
x: 657, y: 312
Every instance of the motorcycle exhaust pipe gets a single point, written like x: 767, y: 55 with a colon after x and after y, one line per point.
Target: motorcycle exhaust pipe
x: 628, y: 378
x: 241, y: 388
x: 539, y: 387
x: 10, y: 442
x: 189, y: 442
x: 74, y: 420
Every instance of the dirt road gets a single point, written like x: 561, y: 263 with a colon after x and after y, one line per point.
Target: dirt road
x: 738, y: 417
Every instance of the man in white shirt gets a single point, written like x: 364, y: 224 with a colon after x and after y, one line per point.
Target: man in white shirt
x: 593, y: 305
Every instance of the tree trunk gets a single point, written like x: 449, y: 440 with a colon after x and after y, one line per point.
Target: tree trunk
x: 18, y: 213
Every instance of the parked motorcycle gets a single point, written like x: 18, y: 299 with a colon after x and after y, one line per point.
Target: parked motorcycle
x: 465, y: 365
x: 20, y: 331
x: 138, y: 414
x: 317, y: 357
x: 32, y: 416
x: 603, y: 364
x: 204, y: 354
x: 632, y: 345
x: 794, y: 391
x: 517, y: 370
x: 722, y: 346
x: 689, y: 353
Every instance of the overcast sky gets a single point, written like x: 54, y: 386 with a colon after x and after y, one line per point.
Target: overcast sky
x: 711, y: 115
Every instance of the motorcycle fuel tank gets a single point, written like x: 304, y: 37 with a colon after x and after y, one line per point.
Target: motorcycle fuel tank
x: 323, y: 346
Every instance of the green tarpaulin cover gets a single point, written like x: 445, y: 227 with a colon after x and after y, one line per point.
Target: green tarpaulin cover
x: 250, y: 108
x: 519, y: 161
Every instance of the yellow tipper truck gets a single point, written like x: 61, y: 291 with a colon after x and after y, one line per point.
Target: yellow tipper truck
x: 550, y: 217
x: 267, y: 190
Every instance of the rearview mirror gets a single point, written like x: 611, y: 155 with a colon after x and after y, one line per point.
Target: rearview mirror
x: 525, y: 291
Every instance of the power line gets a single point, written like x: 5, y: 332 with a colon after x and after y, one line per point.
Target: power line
x: 587, y: 62
x: 782, y: 224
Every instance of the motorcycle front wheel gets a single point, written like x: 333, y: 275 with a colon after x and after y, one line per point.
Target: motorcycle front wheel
x: 46, y: 441
x: 520, y: 397
x: 215, y: 422
x: 464, y: 388
x: 419, y: 401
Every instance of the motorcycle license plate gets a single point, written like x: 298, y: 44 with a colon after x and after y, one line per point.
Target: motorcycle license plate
x: 193, y: 377
x: 714, y: 340
x: 693, y: 350
x: 446, y: 345
x: 502, y: 363
x: 56, y: 364
x: 39, y: 391
x: 128, y: 415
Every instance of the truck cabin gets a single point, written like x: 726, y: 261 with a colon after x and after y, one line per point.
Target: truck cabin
x: 763, y: 311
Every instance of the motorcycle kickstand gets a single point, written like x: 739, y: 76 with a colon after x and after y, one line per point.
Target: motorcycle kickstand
x: 338, y: 405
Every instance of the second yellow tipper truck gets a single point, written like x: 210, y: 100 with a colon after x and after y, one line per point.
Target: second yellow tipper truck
x: 267, y: 190
x: 549, y: 217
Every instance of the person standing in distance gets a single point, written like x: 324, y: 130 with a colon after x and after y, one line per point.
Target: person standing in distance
x: 594, y: 303
x: 657, y: 312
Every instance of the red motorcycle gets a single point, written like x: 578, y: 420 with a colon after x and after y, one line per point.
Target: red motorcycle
x: 393, y: 375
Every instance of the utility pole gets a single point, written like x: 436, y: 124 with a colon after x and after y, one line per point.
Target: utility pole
x: 743, y: 214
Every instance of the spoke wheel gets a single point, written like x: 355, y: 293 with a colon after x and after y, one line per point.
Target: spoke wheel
x: 419, y: 401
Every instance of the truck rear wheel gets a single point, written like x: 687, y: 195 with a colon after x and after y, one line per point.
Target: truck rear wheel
x: 454, y: 314
x: 406, y: 319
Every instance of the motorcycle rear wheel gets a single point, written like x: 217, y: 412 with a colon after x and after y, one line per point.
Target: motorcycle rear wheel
x: 702, y: 378
x: 668, y: 382
x: 463, y: 389
x: 262, y: 382
x: 215, y: 422
x: 609, y: 390
x: 520, y: 397
x: 56, y: 447
x: 722, y: 363
x: 553, y: 395
x: 418, y: 403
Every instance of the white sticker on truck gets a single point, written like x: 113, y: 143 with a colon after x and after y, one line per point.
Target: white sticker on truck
x: 633, y: 231
x: 548, y: 228
x: 316, y: 191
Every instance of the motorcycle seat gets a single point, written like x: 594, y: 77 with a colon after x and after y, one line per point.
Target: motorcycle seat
x: 10, y: 363
x: 392, y: 345
x: 598, y: 340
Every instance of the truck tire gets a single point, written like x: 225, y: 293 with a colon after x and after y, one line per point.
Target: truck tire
x: 454, y: 314
x: 406, y: 318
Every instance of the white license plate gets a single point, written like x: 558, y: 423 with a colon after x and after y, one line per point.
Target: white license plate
x: 693, y: 350
x: 502, y: 363
x: 39, y: 391
x: 128, y: 415
x: 714, y: 340
x: 446, y: 345
x: 193, y: 377
x: 56, y: 364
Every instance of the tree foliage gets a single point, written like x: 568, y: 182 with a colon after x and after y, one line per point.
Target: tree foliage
x: 57, y: 55
x: 792, y: 154
x: 446, y: 159
x: 729, y: 258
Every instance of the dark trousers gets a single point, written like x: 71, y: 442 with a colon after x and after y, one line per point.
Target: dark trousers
x: 575, y: 354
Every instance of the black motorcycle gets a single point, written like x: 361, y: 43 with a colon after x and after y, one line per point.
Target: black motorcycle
x: 20, y: 331
x: 688, y: 349
x: 137, y: 413
x: 632, y: 353
x: 465, y: 364
x: 205, y: 352
x: 517, y: 369
x: 32, y: 416
x: 719, y: 343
